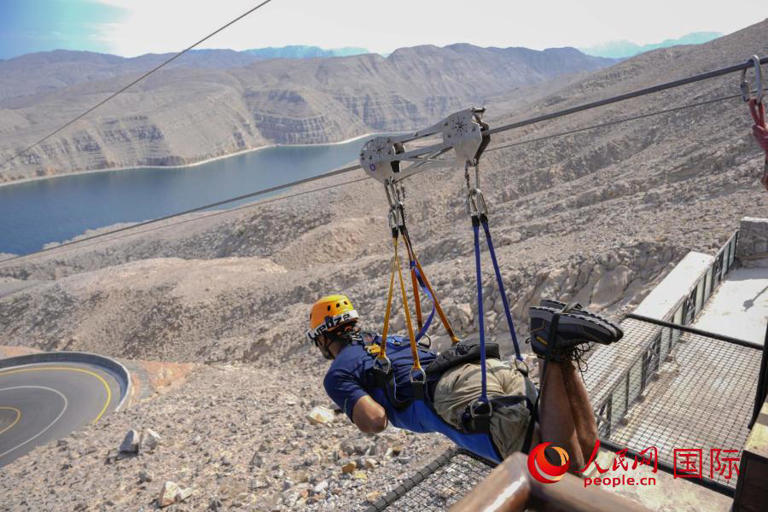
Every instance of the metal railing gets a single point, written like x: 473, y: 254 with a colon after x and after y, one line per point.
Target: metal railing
x: 447, y: 479
x: 707, y: 388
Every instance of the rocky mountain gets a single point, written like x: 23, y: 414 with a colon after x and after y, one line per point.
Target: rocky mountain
x: 624, y: 49
x: 213, y: 103
x: 303, y: 52
x: 596, y: 216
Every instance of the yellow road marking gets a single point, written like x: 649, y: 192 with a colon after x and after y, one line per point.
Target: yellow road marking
x: 18, y: 417
x: 69, y: 369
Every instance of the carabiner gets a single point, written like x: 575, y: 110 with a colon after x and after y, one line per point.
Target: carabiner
x: 746, y: 90
x: 522, y: 366
x: 382, y: 364
x: 480, y: 409
x: 418, y: 376
x: 476, y: 206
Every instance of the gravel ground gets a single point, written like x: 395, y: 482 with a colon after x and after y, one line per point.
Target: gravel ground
x: 598, y: 216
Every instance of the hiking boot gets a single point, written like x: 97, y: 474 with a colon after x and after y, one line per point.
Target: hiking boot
x: 577, y: 309
x: 575, y: 327
x: 556, y: 304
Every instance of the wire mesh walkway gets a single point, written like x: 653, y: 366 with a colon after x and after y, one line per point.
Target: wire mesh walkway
x: 701, y: 398
x: 437, y: 486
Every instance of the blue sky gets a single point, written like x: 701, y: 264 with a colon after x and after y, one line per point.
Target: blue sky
x: 135, y: 27
x: 35, y: 25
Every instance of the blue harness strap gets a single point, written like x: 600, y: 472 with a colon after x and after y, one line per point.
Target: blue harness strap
x: 480, y: 314
x: 426, y: 292
x: 479, y: 412
x: 500, y: 282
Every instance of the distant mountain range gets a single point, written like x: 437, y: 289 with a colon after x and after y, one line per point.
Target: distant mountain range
x: 211, y: 103
x: 304, y: 52
x: 624, y: 49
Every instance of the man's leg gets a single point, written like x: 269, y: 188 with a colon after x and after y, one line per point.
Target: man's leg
x: 581, y: 407
x: 558, y: 422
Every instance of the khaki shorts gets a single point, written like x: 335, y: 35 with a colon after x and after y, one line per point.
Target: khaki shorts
x: 460, y: 386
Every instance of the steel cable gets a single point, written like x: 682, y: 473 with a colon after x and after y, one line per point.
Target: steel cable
x: 510, y: 126
x: 125, y: 88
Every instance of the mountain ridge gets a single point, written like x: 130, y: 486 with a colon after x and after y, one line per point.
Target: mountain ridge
x: 212, y: 103
x: 621, y: 49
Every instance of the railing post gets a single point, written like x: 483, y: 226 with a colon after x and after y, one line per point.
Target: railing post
x: 762, y: 381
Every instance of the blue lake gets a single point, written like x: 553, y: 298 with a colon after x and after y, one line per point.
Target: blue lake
x: 52, y: 210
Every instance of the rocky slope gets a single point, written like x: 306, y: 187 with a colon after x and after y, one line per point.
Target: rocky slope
x: 597, y: 216
x: 214, y: 103
x: 240, y: 443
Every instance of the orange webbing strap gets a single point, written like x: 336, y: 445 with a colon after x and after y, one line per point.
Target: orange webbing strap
x: 383, y: 352
x: 440, y: 313
x: 411, y: 335
x: 414, y: 280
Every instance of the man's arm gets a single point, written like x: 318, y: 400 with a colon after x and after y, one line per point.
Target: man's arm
x: 345, y: 390
x: 369, y: 416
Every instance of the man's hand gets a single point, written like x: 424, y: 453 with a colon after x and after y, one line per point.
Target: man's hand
x: 369, y: 416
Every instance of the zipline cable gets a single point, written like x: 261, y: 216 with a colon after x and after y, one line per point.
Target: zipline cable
x: 553, y: 115
x: 125, y: 88
x: 615, y: 122
x: 338, y: 172
x: 627, y: 96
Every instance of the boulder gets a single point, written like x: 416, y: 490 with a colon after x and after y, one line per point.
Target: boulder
x: 149, y: 440
x: 168, y: 494
x: 130, y: 442
x: 320, y: 415
x: 171, y: 493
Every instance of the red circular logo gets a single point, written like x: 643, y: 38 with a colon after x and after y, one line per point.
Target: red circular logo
x: 543, y: 470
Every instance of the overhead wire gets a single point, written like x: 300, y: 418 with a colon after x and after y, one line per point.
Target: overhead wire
x: 615, y: 122
x: 134, y: 82
x: 510, y: 126
x: 626, y: 96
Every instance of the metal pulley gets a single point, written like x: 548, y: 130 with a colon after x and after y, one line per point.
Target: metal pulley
x: 462, y: 131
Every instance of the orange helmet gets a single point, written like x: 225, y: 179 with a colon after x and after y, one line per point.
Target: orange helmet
x: 328, y: 313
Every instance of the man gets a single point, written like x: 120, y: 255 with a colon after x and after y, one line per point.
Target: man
x: 453, y: 383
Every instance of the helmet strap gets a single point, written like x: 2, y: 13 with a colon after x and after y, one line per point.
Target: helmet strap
x: 324, y: 348
x: 346, y: 335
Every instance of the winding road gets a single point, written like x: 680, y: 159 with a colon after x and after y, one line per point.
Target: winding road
x: 46, y: 401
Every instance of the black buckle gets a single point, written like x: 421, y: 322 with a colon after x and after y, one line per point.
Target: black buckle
x: 477, y: 416
x: 382, y: 371
x: 419, y: 382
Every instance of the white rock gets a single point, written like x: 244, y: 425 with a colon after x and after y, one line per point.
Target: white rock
x: 320, y: 415
x: 184, y: 494
x: 168, y: 494
x: 150, y: 439
x: 171, y: 493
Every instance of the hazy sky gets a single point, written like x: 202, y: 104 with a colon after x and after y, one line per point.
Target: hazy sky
x: 134, y: 27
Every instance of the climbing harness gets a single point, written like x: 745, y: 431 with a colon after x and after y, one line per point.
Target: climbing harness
x: 468, y: 136
x: 754, y: 99
x: 381, y: 157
